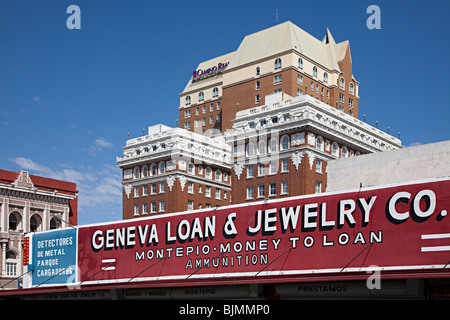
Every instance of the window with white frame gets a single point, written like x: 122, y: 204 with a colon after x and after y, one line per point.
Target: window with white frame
x: 315, y: 72
x: 218, y: 175
x: 136, y: 173
x: 273, y: 145
x: 215, y: 93
x: 211, y: 119
x: 162, y: 187
x: 136, y: 191
x: 258, y: 71
x: 201, y: 96
x: 319, y: 143
x: 162, y: 167
x: 144, y: 190
x: 284, y: 187
x: 11, y: 264
x: 335, y: 149
x: 208, y: 191
x: 341, y: 97
x: 191, y: 168
x: 351, y: 88
x: 188, y: 100
x: 208, y: 173
x: 273, y: 167
x: 190, y: 187
x: 249, y: 192
x: 257, y: 85
x: 285, y: 165
x: 144, y: 208
x: 272, y: 189
x: 325, y: 77
x: 250, y: 149
x: 217, y: 193
x: 136, y: 209
x: 261, y: 169
x: 318, y: 165
x: 277, y: 63
x: 162, y: 206
x: 277, y: 79
x: 300, y: 79
x: 153, y: 188
x: 300, y: 63
x: 318, y: 186
x: 190, y: 205
x: 187, y: 125
x: 250, y: 171
x: 262, y: 147
x: 144, y: 171
x: 153, y: 171
x: 284, y: 143
x: 350, y: 102
x: 200, y: 189
x: 187, y: 113
x: 260, y: 190
x: 257, y: 99
x: 342, y: 83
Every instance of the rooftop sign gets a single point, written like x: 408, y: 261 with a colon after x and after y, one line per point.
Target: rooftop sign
x: 200, y: 74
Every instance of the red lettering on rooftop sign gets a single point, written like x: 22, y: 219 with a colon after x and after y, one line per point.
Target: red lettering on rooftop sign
x: 396, y: 228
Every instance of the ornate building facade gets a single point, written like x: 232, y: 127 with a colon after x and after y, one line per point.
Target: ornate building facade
x: 30, y: 203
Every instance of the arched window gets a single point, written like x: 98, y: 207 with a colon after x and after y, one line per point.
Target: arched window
x: 136, y: 173
x: 325, y: 77
x: 35, y: 223
x: 342, y: 83
x: 315, y: 72
x: 300, y: 63
x: 188, y: 100
x: 351, y: 88
x: 15, y: 220
x: 273, y: 145
x: 55, y: 223
x: 319, y: 143
x: 277, y: 63
x: 153, y: 169
x: 215, y: 93
x: 250, y: 149
x: 11, y: 263
x: 284, y: 143
x: 144, y: 171
x: 344, y: 152
x: 201, y: 96
x: 162, y: 167
x: 258, y: 71
x: 218, y: 175
x: 208, y: 173
x: 335, y: 149
x: 262, y: 147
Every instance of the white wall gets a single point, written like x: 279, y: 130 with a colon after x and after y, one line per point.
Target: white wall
x: 413, y: 163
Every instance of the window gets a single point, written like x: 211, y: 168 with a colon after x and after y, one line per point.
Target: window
x: 200, y: 189
x: 261, y: 147
x: 258, y: 71
x: 153, y: 169
x: 272, y: 189
x: 188, y: 100
x: 277, y: 79
x: 190, y: 187
x: 217, y: 193
x: 273, y: 167
x: 203, y: 121
x: 187, y: 113
x: 201, y: 97
x: 14, y: 221
x: 162, y: 167
x: 203, y: 109
x: 218, y: 105
x: 200, y: 170
x: 300, y: 79
x: 144, y: 190
x: 218, y: 175
x: 319, y: 143
x: 325, y: 77
x: 250, y: 149
x: 257, y: 85
x: 208, y: 191
x: 144, y: 208
x: 215, y: 93
x: 350, y: 102
x: 344, y: 152
x: 284, y: 187
x: 250, y: 171
x: 318, y: 165
x: 342, y: 83
x: 136, y: 173
x: 208, y: 173
x: 351, y: 88
x: 191, y: 168
x: 162, y: 187
x: 162, y: 206
x: 136, y: 209
x: 260, y: 191
x: 315, y: 72
x: 276, y: 90
x: 11, y: 264
x: 257, y: 99
x: 260, y: 169
x: 211, y: 119
x: 55, y: 223
x: 144, y: 171
x: 300, y: 63
x: 197, y: 111
x: 317, y: 88
x: 341, y: 97
x: 335, y: 149
x: 277, y: 64
x: 299, y: 92
x: 136, y: 191
x: 285, y: 165
x: 187, y: 125
x: 35, y: 223
x: 284, y: 143
x: 249, y: 192
x: 312, y: 86
x: 273, y: 145
x: 318, y: 186
x: 190, y: 205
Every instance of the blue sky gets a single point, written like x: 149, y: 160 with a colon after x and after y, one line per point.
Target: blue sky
x: 68, y: 98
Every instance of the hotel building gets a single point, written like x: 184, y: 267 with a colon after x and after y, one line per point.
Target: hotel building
x: 274, y: 112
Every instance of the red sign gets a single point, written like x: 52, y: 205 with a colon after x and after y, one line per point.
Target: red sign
x: 26, y: 251
x: 398, y: 228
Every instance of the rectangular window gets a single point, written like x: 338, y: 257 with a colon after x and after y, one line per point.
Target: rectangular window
x: 260, y: 169
x: 299, y: 92
x: 318, y: 166
x: 144, y: 208
x: 249, y: 192
x: 341, y: 97
x: 273, y: 167
x: 285, y: 165
x: 187, y: 125
x: 257, y: 99
x: 161, y: 187
x: 153, y: 190
x: 350, y: 102
x: 217, y: 193
x: 153, y: 207
x: 277, y: 79
x: 218, y: 105
x: 211, y: 119
x: 187, y: 113
x: 300, y: 79
x: 144, y: 190
x: 136, y: 209
x: 190, y: 205
x: 136, y: 191
x: 162, y: 206
x: 257, y: 85
x: 200, y: 189
x: 260, y: 191
x: 272, y: 189
x: 190, y: 187
x: 250, y: 171
x: 318, y: 186
x: 208, y: 191
x: 197, y: 111
x: 284, y: 187
x: 203, y: 109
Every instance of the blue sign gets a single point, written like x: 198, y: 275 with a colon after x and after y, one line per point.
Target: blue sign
x: 54, y: 257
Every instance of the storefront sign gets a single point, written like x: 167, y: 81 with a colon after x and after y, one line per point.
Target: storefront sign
x: 398, y: 228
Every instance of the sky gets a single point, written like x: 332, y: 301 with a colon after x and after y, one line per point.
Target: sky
x: 70, y: 97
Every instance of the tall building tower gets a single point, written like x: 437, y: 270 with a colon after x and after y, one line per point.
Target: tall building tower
x: 274, y: 112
